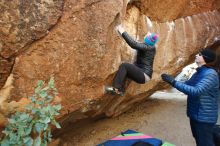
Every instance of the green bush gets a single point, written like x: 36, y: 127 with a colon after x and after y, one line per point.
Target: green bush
x: 33, y: 126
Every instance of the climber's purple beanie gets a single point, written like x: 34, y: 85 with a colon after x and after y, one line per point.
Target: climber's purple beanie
x: 151, y: 39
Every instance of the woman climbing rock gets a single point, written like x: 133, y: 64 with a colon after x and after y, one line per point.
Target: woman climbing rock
x: 141, y: 71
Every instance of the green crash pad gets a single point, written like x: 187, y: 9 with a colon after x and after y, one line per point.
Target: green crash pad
x: 167, y: 144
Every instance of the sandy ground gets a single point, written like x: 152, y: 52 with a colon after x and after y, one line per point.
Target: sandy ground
x: 162, y: 116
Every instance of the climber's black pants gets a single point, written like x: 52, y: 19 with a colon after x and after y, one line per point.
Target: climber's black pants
x: 130, y: 71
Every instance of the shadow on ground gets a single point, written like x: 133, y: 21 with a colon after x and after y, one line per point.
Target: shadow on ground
x: 162, y: 116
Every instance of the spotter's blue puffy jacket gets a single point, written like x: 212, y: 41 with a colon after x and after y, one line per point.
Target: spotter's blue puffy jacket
x: 202, y: 90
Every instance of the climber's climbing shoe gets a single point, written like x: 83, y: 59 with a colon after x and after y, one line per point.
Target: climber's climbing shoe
x: 113, y: 91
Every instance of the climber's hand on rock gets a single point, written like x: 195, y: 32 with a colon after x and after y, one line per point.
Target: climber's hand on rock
x: 120, y: 28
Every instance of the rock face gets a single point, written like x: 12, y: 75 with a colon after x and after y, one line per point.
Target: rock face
x: 21, y: 23
x: 169, y: 10
x: 83, y: 51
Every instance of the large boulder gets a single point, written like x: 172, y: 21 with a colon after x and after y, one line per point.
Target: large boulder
x: 83, y: 50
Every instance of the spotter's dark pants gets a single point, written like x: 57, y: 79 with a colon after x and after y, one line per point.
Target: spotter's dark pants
x: 202, y: 132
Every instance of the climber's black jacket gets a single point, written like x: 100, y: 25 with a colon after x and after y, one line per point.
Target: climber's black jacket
x: 145, y: 54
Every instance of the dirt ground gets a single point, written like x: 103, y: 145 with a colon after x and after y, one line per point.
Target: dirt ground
x: 162, y: 116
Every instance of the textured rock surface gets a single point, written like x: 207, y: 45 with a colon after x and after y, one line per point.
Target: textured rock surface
x: 83, y: 52
x: 21, y: 23
x: 169, y: 10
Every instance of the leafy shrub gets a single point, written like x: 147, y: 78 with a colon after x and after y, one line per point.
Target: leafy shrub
x: 33, y: 126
